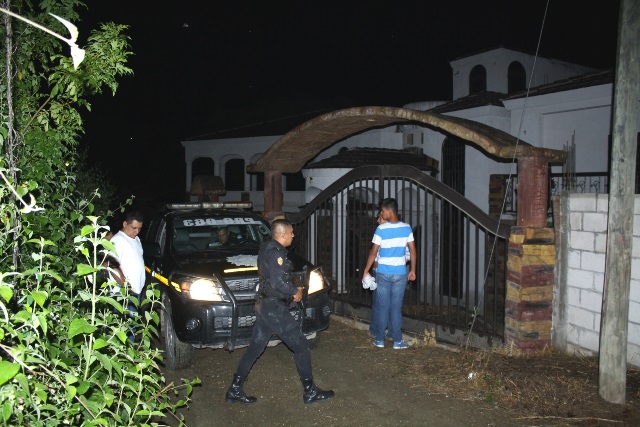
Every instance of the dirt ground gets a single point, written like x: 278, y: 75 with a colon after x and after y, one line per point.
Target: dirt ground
x: 425, y: 385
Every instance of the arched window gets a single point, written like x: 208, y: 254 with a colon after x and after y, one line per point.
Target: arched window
x: 477, y: 79
x: 202, y: 166
x: 234, y: 175
x: 517, y: 77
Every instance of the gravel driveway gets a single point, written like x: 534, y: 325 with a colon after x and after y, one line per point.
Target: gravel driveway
x: 372, y: 388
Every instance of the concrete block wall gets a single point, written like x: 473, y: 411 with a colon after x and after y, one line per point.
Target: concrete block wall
x: 578, y: 289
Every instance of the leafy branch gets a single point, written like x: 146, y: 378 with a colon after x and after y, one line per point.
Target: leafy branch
x: 9, y: 351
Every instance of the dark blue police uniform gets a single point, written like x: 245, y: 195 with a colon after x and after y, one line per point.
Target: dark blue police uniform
x: 272, y: 310
x: 273, y: 317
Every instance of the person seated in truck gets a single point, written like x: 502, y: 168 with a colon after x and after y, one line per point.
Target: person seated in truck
x: 228, y: 238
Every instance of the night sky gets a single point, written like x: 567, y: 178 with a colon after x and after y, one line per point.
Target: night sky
x: 209, y: 66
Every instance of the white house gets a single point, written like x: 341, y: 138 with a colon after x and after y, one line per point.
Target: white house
x: 555, y: 105
x: 488, y: 87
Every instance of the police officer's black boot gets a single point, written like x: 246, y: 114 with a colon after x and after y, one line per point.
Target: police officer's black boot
x: 312, y: 393
x: 235, y: 394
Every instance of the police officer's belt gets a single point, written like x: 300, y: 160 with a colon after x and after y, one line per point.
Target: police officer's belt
x: 270, y: 298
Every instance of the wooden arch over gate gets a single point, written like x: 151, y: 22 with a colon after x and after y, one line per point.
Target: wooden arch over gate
x: 293, y: 150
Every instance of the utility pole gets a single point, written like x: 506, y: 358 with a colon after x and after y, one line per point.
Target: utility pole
x: 626, y: 125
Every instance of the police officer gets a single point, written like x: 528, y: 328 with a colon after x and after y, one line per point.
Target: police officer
x: 276, y: 293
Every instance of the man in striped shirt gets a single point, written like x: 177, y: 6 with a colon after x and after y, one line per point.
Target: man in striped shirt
x: 389, y: 241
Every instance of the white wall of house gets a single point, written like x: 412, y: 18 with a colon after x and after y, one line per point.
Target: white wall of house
x: 317, y: 179
x: 422, y: 137
x: 582, y: 116
x: 220, y: 150
x: 496, y: 63
x: 479, y: 167
x: 577, y: 310
x: 552, y: 121
x: 388, y: 137
x: 248, y: 149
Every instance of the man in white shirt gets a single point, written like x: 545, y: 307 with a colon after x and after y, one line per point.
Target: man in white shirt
x: 129, y: 256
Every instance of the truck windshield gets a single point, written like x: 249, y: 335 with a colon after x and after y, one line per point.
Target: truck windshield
x: 189, y: 236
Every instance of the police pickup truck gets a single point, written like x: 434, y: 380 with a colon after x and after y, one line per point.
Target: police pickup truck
x: 203, y: 257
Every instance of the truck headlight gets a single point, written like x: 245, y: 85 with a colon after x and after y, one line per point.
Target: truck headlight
x: 203, y: 289
x: 316, y: 281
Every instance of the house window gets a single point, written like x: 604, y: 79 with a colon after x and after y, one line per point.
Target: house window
x: 256, y: 181
x: 477, y: 79
x: 294, y: 181
x: 234, y: 175
x: 202, y: 166
x: 453, y: 163
x: 516, y: 77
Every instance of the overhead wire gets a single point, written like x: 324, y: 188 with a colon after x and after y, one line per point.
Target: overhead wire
x: 513, y: 162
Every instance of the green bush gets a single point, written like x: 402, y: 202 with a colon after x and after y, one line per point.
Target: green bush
x: 64, y: 354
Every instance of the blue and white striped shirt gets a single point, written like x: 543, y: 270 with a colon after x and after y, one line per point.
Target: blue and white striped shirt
x: 392, y: 237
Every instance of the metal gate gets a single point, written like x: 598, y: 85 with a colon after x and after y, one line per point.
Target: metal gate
x: 461, y: 269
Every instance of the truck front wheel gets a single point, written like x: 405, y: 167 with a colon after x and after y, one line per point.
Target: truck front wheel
x: 178, y: 354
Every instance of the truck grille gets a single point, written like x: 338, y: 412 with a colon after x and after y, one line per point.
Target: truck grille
x: 245, y: 321
x: 242, y: 284
x: 225, y: 322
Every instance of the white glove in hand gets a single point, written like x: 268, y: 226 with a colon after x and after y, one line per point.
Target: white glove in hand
x: 369, y: 282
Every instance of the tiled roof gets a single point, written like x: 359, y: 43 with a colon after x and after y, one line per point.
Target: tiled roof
x: 586, y: 80
x: 479, y: 99
x: 485, y: 98
x: 366, y: 156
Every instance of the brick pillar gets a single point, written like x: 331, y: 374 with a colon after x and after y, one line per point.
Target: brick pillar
x: 530, y: 276
x: 533, y: 191
x: 272, y: 195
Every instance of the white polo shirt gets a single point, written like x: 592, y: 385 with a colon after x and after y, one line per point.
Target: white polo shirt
x: 129, y: 255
